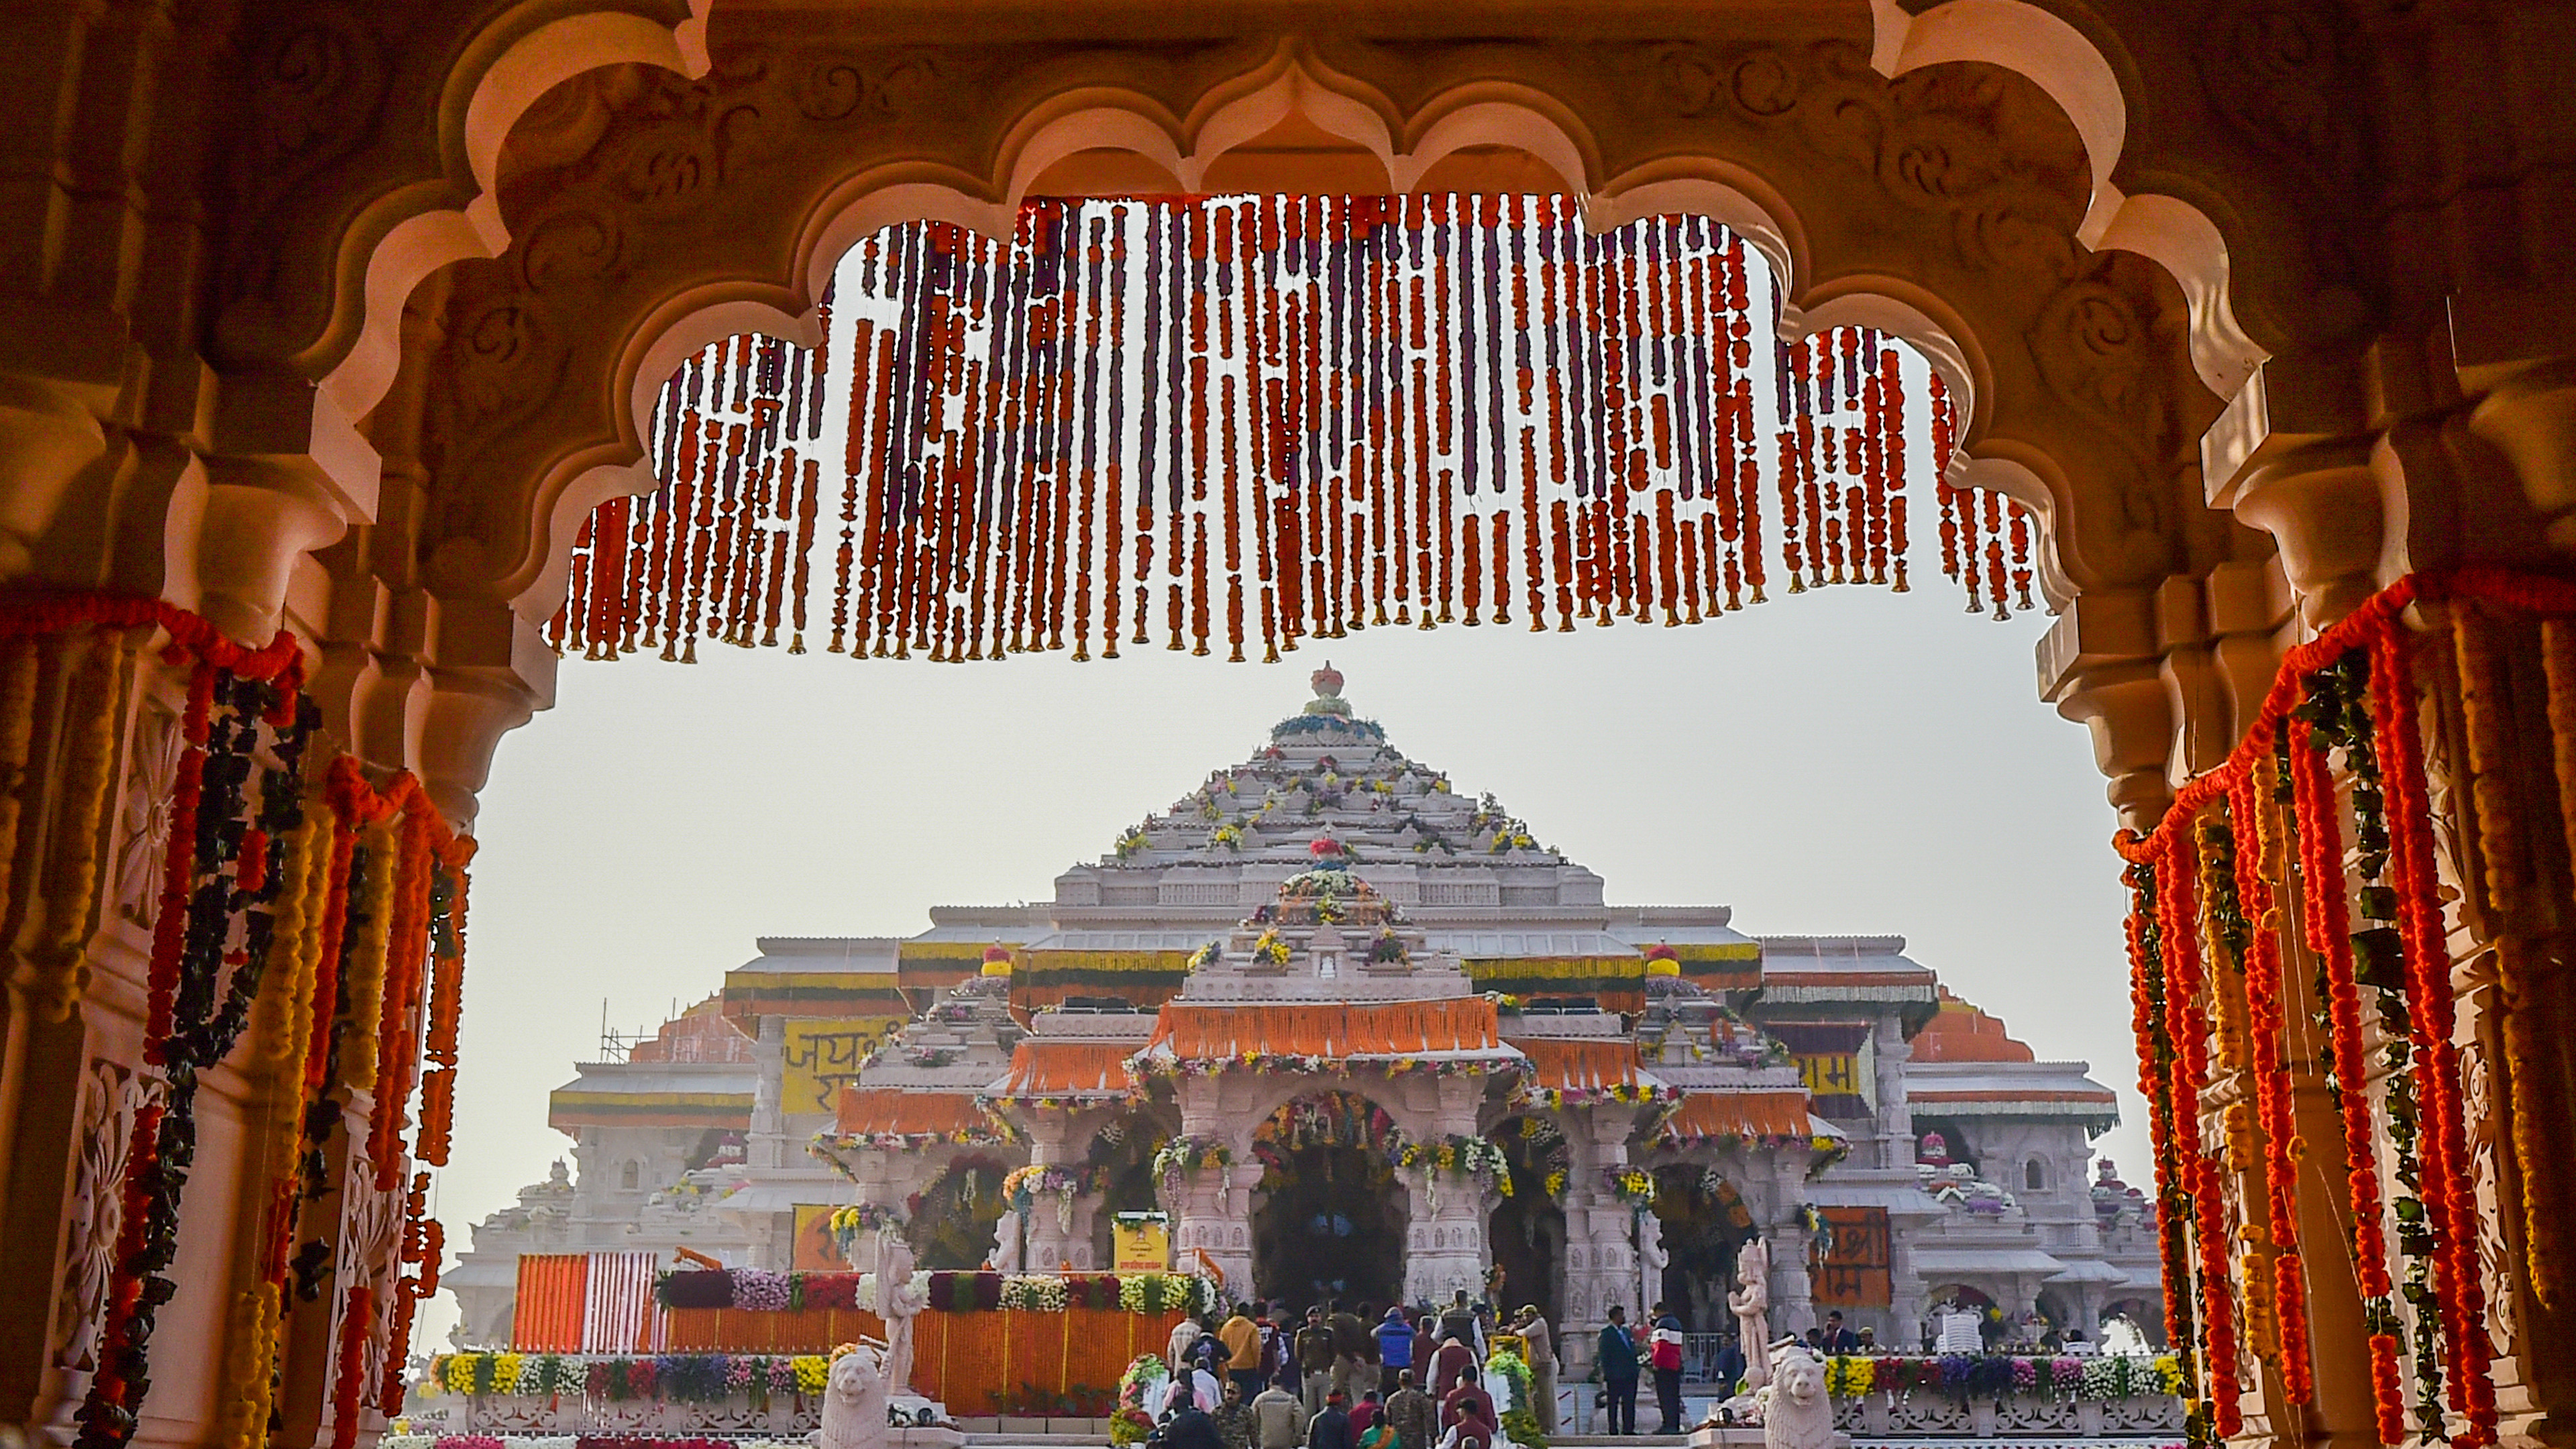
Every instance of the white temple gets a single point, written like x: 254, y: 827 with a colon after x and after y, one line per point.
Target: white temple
x: 1273, y: 1012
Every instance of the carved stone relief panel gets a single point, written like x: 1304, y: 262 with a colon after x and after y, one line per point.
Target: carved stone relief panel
x: 110, y: 1096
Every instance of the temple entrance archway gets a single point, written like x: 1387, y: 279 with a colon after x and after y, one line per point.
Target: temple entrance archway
x: 953, y: 1219
x: 1527, y: 1229
x: 1705, y: 1222
x: 2075, y: 351
x: 1120, y: 1165
x: 1329, y: 1215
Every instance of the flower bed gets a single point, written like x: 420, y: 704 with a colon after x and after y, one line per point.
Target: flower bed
x: 1992, y: 1375
x: 1985, y: 1395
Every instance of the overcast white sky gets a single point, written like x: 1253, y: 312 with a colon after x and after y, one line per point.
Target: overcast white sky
x: 1839, y: 761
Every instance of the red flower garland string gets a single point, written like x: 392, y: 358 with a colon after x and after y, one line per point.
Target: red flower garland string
x: 2187, y: 1026
x: 2322, y: 894
x: 2431, y: 1009
x: 2267, y: 1019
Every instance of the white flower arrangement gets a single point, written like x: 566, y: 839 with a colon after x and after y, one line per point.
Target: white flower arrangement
x: 1034, y: 1293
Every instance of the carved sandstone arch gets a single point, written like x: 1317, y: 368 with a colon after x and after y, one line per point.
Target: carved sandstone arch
x: 1954, y: 193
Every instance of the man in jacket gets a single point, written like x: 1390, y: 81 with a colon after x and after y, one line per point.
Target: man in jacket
x: 1233, y: 1419
x: 1278, y: 1420
x: 1351, y: 1345
x: 1315, y: 1361
x: 1617, y: 1355
x: 1190, y: 1428
x: 1410, y: 1410
x: 1454, y: 1364
x: 1242, y: 1340
x: 1330, y: 1429
x: 1394, y: 1349
x: 1664, y: 1351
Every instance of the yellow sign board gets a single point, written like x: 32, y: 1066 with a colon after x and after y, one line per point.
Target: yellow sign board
x: 1141, y: 1243
x: 823, y: 1055
x: 817, y: 1251
x: 1830, y: 1074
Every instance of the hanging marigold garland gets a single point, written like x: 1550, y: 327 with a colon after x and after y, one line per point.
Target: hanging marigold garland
x: 238, y: 788
x: 1328, y: 394
x: 253, y: 938
x: 2348, y: 698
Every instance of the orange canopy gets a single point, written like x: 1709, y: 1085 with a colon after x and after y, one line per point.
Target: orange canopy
x: 1334, y: 1029
x: 909, y: 1112
x: 1041, y: 1068
x: 1718, y: 1116
x: 1587, y: 1065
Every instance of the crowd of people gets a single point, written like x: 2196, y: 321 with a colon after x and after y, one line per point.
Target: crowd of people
x: 1347, y: 1378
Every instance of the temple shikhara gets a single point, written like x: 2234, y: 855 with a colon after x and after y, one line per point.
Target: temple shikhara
x: 1359, y: 1035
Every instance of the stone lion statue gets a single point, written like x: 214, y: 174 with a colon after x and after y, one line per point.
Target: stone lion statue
x: 854, y: 1403
x: 1796, y: 1414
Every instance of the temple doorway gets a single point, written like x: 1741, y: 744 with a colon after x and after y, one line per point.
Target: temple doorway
x: 1121, y: 1162
x: 1705, y: 1223
x: 1331, y: 1216
x: 952, y: 1220
x: 1527, y: 1229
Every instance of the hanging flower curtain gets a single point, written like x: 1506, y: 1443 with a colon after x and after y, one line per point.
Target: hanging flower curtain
x: 1220, y: 422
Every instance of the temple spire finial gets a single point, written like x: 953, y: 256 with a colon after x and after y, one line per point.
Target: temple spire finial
x: 1327, y: 683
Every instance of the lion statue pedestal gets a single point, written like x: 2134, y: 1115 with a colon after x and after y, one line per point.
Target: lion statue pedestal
x: 1791, y: 1411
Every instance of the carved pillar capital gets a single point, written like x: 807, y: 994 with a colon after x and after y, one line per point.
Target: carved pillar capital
x: 2321, y: 503
x: 50, y: 437
x: 2530, y: 417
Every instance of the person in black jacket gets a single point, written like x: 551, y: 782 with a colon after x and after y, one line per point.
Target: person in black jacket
x: 1189, y: 1428
x: 1616, y: 1361
x: 1331, y: 1429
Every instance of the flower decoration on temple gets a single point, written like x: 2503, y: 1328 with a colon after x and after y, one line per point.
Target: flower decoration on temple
x: 1226, y: 837
x: 1456, y: 1156
x: 1387, y: 949
x: 1270, y: 949
x: 1189, y: 1154
x: 851, y: 1223
x: 1633, y: 1186
x: 1022, y: 1187
x: 1131, y: 844
x: 1206, y: 955
x: 997, y: 961
x: 1663, y: 960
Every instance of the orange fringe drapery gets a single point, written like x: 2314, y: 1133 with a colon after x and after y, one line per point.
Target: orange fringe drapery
x: 1041, y: 1068
x: 1738, y: 1116
x: 1573, y: 1065
x: 552, y: 1291
x: 902, y: 1112
x: 1399, y: 1029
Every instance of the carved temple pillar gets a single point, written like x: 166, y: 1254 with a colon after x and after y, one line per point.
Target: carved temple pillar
x: 1046, y: 1237
x: 1600, y: 1251
x: 1212, y: 1207
x: 1444, y: 1240
x: 1793, y: 1302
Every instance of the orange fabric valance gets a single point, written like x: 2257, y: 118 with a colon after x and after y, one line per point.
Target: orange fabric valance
x: 1719, y: 1116
x: 1579, y: 1066
x: 1331, y: 1029
x: 910, y: 1112
x: 1061, y: 1068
